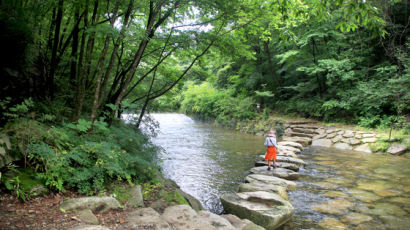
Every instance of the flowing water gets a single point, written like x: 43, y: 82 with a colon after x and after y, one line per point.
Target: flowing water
x: 336, y: 190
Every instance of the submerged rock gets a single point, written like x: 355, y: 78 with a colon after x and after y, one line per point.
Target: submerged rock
x: 277, y: 172
x: 356, y: 218
x: 343, y: 146
x: 263, y: 208
x: 363, y: 195
x: 337, y: 206
x: 332, y: 223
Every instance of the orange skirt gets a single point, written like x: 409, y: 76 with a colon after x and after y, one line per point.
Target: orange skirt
x: 271, y: 153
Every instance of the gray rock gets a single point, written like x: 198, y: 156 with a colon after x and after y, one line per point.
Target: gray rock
x: 89, y: 227
x: 87, y: 216
x: 319, y: 136
x: 94, y: 203
x: 322, y: 142
x: 256, y: 186
x: 330, y: 131
x: 345, y: 140
x: 369, y: 140
x: 337, y: 138
x: 284, y: 165
x: 320, y: 131
x: 38, y: 190
x: 136, y: 200
x: 259, y: 178
x: 292, y: 160
x: 266, y: 209
x: 343, y: 146
x: 292, y: 144
x: 301, y: 140
x: 286, y: 153
x: 340, y: 132
x: 303, y: 130
x: 348, y: 134
x: 288, y: 148
x: 244, y: 224
x: 277, y: 172
x: 145, y: 218
x: 363, y: 148
x: 331, y: 135
x: 195, y: 204
x: 183, y: 217
x: 296, y: 134
x: 397, y: 149
x: 354, y: 141
x: 367, y: 135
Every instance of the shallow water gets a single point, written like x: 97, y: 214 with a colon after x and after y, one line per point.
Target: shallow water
x: 336, y: 190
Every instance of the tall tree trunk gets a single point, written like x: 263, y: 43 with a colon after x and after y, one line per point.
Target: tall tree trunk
x: 101, y: 65
x: 53, y: 66
x: 74, y: 48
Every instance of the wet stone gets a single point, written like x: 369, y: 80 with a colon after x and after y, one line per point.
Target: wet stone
x: 326, y: 185
x: 356, y: 218
x: 332, y: 223
x: 374, y: 185
x: 395, y: 222
x: 336, y: 194
x: 387, y: 193
x: 382, y: 209
x: 337, y: 206
x: 363, y: 195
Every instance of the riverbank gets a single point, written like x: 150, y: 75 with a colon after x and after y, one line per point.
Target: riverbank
x: 380, y: 141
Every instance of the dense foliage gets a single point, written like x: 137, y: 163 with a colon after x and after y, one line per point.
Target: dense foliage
x: 339, y: 67
x: 70, y: 68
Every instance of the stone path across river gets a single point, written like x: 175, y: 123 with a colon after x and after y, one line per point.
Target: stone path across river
x: 264, y: 199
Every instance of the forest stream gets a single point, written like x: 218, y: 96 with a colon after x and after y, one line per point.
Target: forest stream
x: 344, y: 189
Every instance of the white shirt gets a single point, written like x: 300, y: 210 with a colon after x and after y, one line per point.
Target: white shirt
x: 271, y: 141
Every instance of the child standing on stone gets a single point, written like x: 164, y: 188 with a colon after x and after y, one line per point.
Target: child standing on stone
x: 270, y: 142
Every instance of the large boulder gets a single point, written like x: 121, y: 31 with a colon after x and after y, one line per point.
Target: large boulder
x: 97, y: 204
x: 268, y: 210
x: 322, y: 143
x: 193, y: 202
x: 145, y: 218
x: 256, y: 186
x: 277, y: 172
x: 183, y: 217
x: 289, y: 185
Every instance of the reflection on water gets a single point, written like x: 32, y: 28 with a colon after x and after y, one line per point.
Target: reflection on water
x: 203, y: 160
x: 337, y: 189
x: 350, y: 190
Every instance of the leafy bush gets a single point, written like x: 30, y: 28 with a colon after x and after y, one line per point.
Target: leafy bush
x: 85, y: 157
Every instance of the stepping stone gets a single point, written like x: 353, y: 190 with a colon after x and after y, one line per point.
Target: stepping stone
x: 286, y: 159
x: 268, y: 210
x: 304, y: 141
x: 292, y: 144
x: 322, y: 143
x: 284, y: 165
x: 289, y: 185
x: 256, y: 186
x: 296, y: 134
x: 277, y: 172
x: 289, y: 148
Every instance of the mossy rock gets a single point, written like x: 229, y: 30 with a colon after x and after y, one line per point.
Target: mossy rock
x: 173, y: 197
